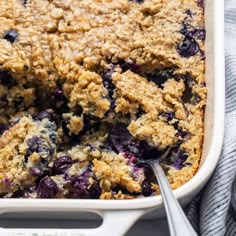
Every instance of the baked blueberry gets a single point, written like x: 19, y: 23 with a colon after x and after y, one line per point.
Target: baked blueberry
x: 128, y: 65
x: 170, y: 115
x: 146, y: 189
x: 6, y: 78
x: 3, y: 127
x: 177, y: 158
x: 59, y: 101
x: 47, y: 188
x: 189, y: 13
x: 130, y: 157
x: 82, y: 188
x: 107, y: 82
x: 159, y: 77
x: 11, y: 36
x: 138, y: 1
x: 188, y: 47
x: 200, y: 34
x: 61, y: 164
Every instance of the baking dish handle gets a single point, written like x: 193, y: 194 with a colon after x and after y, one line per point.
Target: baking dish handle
x: 115, y: 223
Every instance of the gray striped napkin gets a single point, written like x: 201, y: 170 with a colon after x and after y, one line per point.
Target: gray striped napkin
x: 213, y: 212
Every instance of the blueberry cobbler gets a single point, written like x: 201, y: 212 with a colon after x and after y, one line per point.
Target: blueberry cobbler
x: 89, y: 87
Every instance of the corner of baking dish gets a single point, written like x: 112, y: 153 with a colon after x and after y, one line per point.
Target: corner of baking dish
x: 193, y: 186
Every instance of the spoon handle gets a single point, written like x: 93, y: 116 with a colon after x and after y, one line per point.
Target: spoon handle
x: 177, y: 221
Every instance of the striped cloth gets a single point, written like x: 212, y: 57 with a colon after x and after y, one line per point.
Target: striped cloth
x: 213, y: 212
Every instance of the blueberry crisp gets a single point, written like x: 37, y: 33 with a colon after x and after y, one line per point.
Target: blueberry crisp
x: 88, y: 87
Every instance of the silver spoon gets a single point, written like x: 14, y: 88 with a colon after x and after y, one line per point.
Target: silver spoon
x: 177, y: 221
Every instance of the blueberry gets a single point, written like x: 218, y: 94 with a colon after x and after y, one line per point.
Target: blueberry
x: 128, y: 65
x: 119, y: 137
x: 188, y: 47
x: 181, y: 134
x: 11, y: 36
x: 159, y: 77
x: 3, y: 128
x: 140, y: 112
x: 47, y: 188
x: 200, y: 34
x: 120, y: 140
x: 185, y: 30
x: 107, y: 82
x: 177, y: 158
x: 34, y: 144
x: 90, y: 122
x: 6, y: 79
x: 78, y: 110
x: 131, y: 157
x: 189, y: 13
x: 170, y: 115
x: 146, y: 189
x: 138, y: 1
x: 18, y: 194
x: 45, y: 115
x: 188, y: 93
x: 59, y: 101
x: 81, y: 188
x: 61, y: 164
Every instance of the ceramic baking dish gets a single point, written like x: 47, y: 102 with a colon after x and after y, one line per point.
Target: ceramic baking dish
x: 119, y: 215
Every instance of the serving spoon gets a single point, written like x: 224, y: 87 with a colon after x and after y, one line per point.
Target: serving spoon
x: 177, y: 221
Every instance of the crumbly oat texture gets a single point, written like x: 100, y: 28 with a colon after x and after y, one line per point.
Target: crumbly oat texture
x: 88, y: 87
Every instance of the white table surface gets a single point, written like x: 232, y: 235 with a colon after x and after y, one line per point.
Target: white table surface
x: 143, y: 227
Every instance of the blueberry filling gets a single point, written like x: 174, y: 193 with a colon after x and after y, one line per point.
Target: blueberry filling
x: 199, y: 33
x: 168, y: 116
x: 59, y: 101
x: 140, y: 112
x: 138, y: 1
x: 188, y: 47
x: 78, y: 110
x: 11, y: 36
x: 130, y: 157
x: 129, y: 65
x: 81, y: 188
x: 189, y: 13
x: 47, y: 188
x: 182, y: 134
x: 6, y: 79
x: 188, y: 93
x: 177, y: 158
x: 146, y: 189
x: 3, y: 128
x: 90, y: 122
x: 107, y: 82
x: 159, y: 77
x: 61, y: 164
x: 121, y: 141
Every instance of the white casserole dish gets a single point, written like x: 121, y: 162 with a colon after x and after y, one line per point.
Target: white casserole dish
x: 119, y: 215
